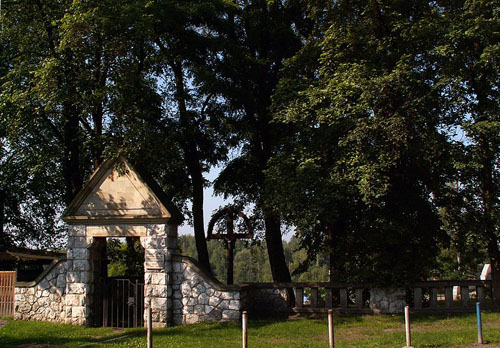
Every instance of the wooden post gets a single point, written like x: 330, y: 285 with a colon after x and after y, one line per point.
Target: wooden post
x: 244, y: 322
x: 407, y: 328
x: 479, y: 324
x: 150, y: 325
x: 330, y: 329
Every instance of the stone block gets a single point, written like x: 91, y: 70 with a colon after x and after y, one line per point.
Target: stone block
x: 156, y: 230
x: 214, y: 301
x: 223, y: 305
x: 155, y: 243
x: 234, y: 305
x: 81, y: 265
x: 158, y: 278
x: 177, y: 278
x: 78, y: 242
x: 74, y: 300
x: 191, y: 318
x: 78, y: 312
x: 185, y: 289
x: 73, y: 277
x: 158, y: 303
x: 227, y: 295
x: 176, y: 294
x: 178, y: 266
x: 230, y: 315
x: 78, y: 253
x: 61, y: 281
x: 177, y: 305
x: 387, y: 301
x: 203, y: 299
x: 76, y: 231
x: 199, y: 309
x: 156, y: 291
x: 86, y: 277
x: 78, y: 288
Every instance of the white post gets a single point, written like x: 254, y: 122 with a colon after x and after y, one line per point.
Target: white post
x: 244, y: 322
x: 407, y: 328
x: 150, y: 325
x: 330, y: 328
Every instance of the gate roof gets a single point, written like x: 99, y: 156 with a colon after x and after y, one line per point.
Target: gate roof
x: 119, y: 193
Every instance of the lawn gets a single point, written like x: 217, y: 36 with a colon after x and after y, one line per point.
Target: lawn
x: 455, y: 330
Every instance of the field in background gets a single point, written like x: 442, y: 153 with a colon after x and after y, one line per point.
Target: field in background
x: 457, y: 330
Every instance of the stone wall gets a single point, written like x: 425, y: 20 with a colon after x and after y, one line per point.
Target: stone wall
x: 200, y: 298
x: 387, y: 301
x: 43, y: 299
x: 267, y: 302
x: 179, y: 291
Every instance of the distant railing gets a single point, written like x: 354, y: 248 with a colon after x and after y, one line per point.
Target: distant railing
x: 428, y: 296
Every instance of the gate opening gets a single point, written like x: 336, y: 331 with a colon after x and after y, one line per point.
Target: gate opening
x: 119, y: 286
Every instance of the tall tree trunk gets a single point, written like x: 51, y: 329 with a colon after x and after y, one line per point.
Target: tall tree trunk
x: 198, y: 219
x: 279, y: 268
x: 331, y: 254
x: 71, y: 161
x: 191, y: 155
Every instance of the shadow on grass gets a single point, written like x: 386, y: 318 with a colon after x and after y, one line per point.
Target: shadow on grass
x: 43, y: 333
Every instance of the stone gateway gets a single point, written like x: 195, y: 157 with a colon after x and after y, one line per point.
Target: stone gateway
x: 122, y: 201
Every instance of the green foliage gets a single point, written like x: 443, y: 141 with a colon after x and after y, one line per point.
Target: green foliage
x: 121, y: 260
x: 251, y: 263
x: 363, y: 171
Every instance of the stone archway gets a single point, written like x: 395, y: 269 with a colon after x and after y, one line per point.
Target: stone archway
x: 119, y: 201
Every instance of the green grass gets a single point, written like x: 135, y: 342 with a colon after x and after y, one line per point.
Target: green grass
x: 454, y: 330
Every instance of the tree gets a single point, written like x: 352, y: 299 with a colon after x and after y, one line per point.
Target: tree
x: 261, y: 36
x: 469, y: 73
x: 367, y: 161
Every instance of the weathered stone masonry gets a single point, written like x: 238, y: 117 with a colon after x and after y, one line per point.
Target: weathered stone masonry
x: 43, y: 299
x: 124, y: 203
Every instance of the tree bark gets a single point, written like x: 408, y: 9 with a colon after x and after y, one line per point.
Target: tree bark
x: 191, y: 156
x: 71, y: 161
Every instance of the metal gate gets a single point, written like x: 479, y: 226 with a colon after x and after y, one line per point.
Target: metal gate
x: 7, y: 288
x: 123, y: 302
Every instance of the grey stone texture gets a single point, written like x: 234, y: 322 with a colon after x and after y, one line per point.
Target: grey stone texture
x: 177, y: 289
x: 387, y: 301
x: 44, y: 301
x: 197, y: 298
x: 270, y: 302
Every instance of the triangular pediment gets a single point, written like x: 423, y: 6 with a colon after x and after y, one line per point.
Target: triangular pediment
x: 118, y: 193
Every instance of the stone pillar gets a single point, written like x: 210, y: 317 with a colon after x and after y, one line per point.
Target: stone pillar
x: 79, y: 277
x: 160, y: 245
